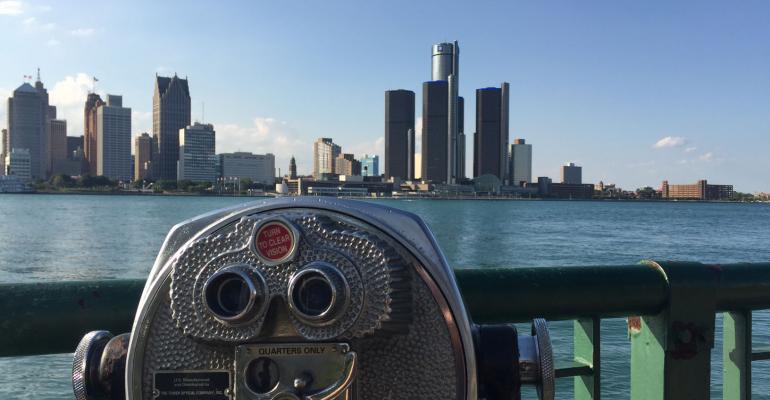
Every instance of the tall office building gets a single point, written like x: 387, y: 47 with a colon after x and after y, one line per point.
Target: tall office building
x: 197, y: 153
x: 572, y: 174
x: 434, y: 131
x: 170, y: 113
x: 370, y: 165
x: 260, y: 168
x: 90, y: 152
x: 399, y: 134
x: 3, y: 149
x: 324, y: 153
x: 113, y: 139
x: 293, y: 168
x: 58, y: 140
x: 346, y: 164
x: 445, y: 66
x: 142, y: 156
x: 75, y: 147
x: 490, y: 150
x: 520, y: 163
x: 28, y: 126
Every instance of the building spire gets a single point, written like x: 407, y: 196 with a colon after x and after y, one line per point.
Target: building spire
x: 38, y: 74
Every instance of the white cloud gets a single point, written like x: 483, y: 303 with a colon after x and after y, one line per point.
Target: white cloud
x: 82, y: 32
x: 266, y: 135
x: 52, y: 43
x: 669, y: 141
x: 69, y: 97
x: 690, y: 149
x: 32, y: 24
x: 707, y: 157
x: 11, y: 7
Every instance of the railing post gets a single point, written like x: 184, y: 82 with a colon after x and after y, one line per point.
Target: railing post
x: 587, y: 349
x: 671, y: 352
x: 736, y: 355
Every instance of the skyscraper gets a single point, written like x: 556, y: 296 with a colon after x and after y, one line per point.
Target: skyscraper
x: 324, y: 153
x: 399, y: 134
x: 572, y: 174
x: 142, y: 156
x: 490, y: 152
x: 434, y: 131
x: 93, y: 101
x: 293, y: 168
x: 520, y: 162
x: 58, y: 140
x: 197, y: 153
x: 170, y: 113
x: 28, y: 126
x: 445, y: 66
x: 113, y: 139
x: 4, y: 150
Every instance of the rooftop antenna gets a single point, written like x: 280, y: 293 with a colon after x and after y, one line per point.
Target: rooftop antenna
x: 38, y: 74
x: 203, y: 112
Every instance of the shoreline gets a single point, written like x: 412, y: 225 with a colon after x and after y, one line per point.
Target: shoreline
x: 397, y: 198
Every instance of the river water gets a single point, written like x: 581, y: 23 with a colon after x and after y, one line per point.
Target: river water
x: 85, y: 237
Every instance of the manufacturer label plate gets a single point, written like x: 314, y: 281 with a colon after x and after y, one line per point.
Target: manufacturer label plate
x: 191, y: 385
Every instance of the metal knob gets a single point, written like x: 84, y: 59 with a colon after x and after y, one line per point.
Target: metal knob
x: 85, y: 365
x: 536, y: 360
x: 98, y: 366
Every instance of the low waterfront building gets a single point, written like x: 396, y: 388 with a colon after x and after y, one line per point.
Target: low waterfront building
x: 260, y: 168
x: 197, y: 154
x: 700, y: 190
x: 18, y: 163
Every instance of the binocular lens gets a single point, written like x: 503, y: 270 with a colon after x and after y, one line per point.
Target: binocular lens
x: 313, y: 294
x: 233, y: 296
x: 318, y: 294
x: 230, y: 295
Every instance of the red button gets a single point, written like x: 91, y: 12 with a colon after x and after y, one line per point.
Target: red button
x: 274, y: 241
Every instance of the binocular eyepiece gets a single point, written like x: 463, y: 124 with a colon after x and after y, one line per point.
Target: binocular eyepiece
x: 308, y: 299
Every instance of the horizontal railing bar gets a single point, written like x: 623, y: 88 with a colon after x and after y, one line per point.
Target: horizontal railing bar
x: 760, y: 353
x: 47, y: 318
x: 499, y: 295
x: 565, y: 369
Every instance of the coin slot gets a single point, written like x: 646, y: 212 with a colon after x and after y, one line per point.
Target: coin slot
x: 262, y: 375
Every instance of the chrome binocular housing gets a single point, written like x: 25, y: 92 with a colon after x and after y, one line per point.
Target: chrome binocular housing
x: 307, y: 298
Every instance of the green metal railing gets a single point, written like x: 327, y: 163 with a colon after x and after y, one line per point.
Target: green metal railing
x: 671, y: 309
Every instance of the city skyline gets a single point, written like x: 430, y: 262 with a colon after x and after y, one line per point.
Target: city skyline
x: 659, y: 100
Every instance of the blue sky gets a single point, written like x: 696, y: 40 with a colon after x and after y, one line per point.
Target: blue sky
x: 635, y: 92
